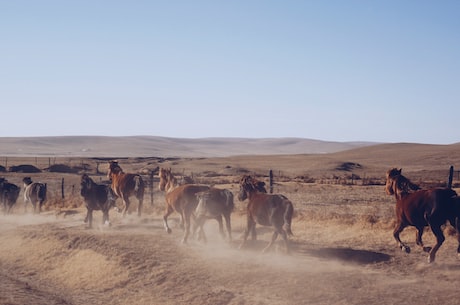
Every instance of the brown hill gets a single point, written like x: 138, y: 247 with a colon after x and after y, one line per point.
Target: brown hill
x: 148, y: 146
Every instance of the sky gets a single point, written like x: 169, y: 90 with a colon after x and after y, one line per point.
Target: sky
x: 381, y: 71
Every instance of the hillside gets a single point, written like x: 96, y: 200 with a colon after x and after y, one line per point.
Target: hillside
x: 147, y: 146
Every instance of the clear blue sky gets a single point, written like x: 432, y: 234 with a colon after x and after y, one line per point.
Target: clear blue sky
x: 385, y: 71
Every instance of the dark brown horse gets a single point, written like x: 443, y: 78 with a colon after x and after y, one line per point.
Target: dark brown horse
x: 97, y: 197
x: 125, y: 185
x: 265, y: 209
x: 9, y: 194
x: 214, y: 204
x: 35, y: 193
x: 179, y: 198
x: 421, y: 208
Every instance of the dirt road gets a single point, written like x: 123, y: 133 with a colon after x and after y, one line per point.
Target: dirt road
x: 49, y: 260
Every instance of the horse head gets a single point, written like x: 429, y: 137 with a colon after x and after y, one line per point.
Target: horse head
x: 163, y: 175
x: 398, y: 185
x: 167, y: 180
x: 390, y: 180
x: 250, y: 185
x: 114, y: 169
x: 27, y: 180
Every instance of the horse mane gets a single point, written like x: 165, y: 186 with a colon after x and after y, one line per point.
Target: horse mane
x: 115, y: 167
x: 166, y: 177
x: 252, y: 184
x: 401, y: 185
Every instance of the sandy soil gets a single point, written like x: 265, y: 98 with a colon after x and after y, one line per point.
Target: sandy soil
x: 49, y: 259
x: 343, y: 248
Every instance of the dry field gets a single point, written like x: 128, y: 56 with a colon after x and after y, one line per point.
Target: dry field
x: 343, y: 249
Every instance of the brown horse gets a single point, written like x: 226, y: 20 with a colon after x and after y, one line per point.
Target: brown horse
x: 179, y: 198
x: 97, y: 197
x: 421, y: 208
x: 125, y: 185
x: 9, y: 194
x: 265, y: 209
x: 35, y: 193
x: 214, y: 204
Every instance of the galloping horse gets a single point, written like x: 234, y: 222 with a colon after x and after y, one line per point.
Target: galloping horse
x: 35, y: 193
x: 265, y: 209
x: 421, y: 208
x: 9, y: 194
x: 179, y: 198
x: 213, y: 204
x: 97, y: 197
x: 125, y: 185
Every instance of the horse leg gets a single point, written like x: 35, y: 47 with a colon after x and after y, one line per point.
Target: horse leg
x: 187, y: 226
x: 127, y: 203
x: 398, y: 229
x: 253, y: 233
x: 90, y: 218
x: 419, y: 241
x: 87, y: 215
x: 274, y: 237
x: 250, y: 227
x: 139, y: 208
x: 286, y: 241
x: 168, y: 212
x: 221, y: 226
x: 105, y: 217
x: 198, y: 225
x: 437, y: 231
x: 456, y: 225
x: 229, y: 226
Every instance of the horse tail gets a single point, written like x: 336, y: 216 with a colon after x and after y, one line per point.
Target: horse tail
x: 42, y: 191
x: 15, y: 193
x: 138, y: 185
x: 288, y: 213
x: 229, y: 202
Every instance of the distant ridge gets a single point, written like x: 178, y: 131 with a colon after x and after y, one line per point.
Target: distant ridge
x: 155, y: 146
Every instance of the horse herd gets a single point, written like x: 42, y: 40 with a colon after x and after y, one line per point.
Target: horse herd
x: 197, y: 203
x: 34, y: 193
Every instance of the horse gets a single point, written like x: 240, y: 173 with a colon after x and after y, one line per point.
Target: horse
x: 35, y: 193
x: 125, y: 185
x: 420, y: 208
x: 179, y: 198
x: 9, y: 194
x: 99, y: 197
x: 214, y: 204
x: 271, y: 210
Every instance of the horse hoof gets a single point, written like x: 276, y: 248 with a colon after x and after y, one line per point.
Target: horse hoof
x: 405, y: 249
x: 426, y: 249
x: 168, y: 230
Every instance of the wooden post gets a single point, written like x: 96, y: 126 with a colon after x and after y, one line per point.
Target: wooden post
x: 271, y: 181
x: 451, y: 176
x: 151, y: 188
x: 62, y: 188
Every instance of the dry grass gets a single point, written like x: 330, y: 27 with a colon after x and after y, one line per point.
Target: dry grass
x: 344, y: 252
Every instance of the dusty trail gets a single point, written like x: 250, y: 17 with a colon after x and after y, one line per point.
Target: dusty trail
x: 135, y: 262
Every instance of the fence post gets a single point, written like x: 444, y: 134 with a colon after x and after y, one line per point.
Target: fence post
x: 62, y: 188
x: 151, y: 188
x: 271, y: 181
x: 451, y: 176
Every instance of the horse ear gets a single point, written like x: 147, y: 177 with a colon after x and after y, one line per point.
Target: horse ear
x: 400, y: 170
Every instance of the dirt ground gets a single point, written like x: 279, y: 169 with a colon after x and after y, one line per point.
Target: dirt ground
x: 343, y: 253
